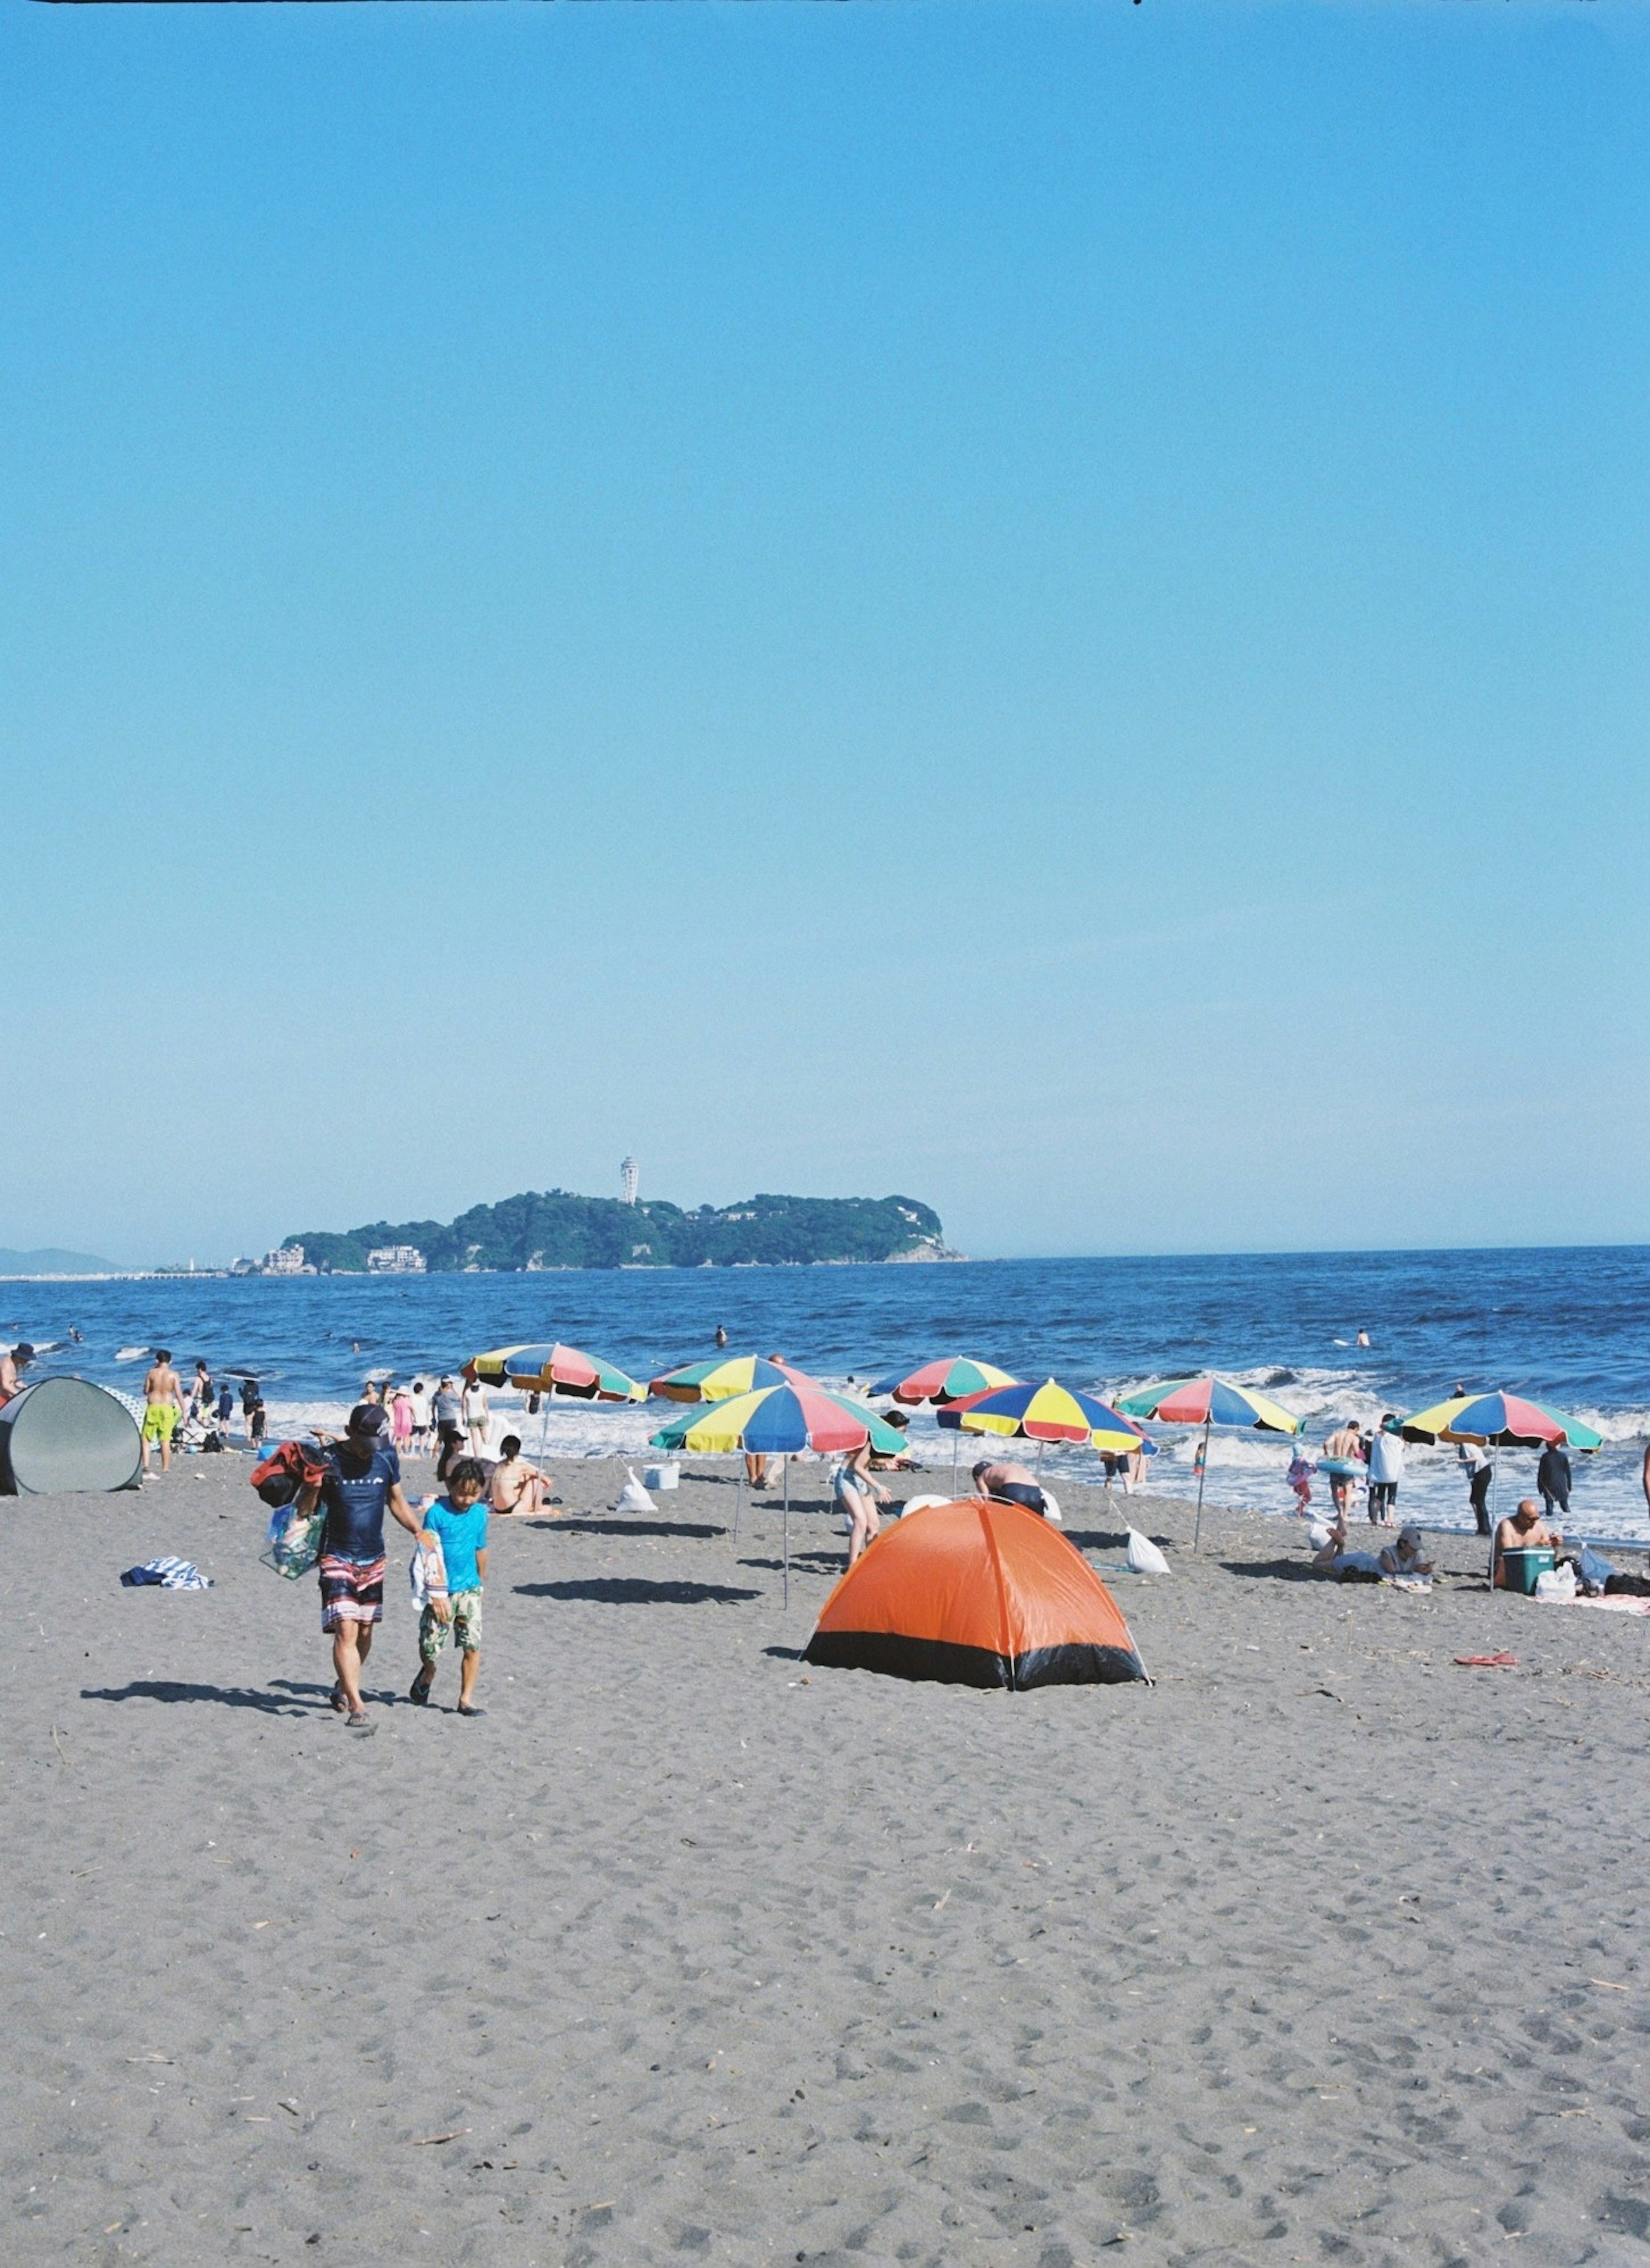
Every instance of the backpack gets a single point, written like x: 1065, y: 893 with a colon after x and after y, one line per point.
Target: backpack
x: 291, y: 1466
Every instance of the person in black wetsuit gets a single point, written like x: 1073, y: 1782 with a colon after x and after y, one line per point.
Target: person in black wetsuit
x: 1554, y: 1478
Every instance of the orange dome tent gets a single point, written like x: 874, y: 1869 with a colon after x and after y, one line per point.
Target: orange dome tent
x: 977, y: 1592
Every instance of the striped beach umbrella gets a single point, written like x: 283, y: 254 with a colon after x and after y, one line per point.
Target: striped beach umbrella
x: 1498, y: 1421
x: 555, y: 1369
x: 1209, y: 1400
x: 1502, y: 1421
x: 1049, y: 1412
x: 777, y: 1421
x: 949, y: 1379
x: 720, y: 1379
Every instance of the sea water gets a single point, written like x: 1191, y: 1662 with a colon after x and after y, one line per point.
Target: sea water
x: 1566, y: 1327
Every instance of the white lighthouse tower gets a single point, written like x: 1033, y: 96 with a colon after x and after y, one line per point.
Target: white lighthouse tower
x: 629, y: 1177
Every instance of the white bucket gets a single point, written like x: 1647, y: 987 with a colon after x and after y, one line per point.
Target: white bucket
x: 661, y: 1476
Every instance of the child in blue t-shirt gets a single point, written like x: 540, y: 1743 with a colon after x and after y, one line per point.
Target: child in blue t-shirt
x: 457, y: 1522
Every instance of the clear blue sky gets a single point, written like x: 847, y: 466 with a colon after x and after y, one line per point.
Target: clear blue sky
x: 1041, y: 606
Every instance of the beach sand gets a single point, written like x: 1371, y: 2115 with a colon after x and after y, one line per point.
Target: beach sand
x: 1321, y: 1948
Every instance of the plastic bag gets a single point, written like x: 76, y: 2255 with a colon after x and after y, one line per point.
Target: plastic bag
x: 633, y: 1497
x: 1556, y: 1584
x: 294, y: 1543
x: 1144, y: 1556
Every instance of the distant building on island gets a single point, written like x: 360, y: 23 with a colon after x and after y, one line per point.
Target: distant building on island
x: 630, y: 1180
x: 286, y: 1260
x: 395, y: 1260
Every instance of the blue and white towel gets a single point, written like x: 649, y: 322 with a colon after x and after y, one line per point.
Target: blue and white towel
x: 170, y: 1574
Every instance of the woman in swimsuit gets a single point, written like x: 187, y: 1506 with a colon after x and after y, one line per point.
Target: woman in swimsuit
x: 859, y: 1496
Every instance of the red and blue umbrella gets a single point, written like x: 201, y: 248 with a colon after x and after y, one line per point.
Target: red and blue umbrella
x: 1208, y: 1400
x: 949, y: 1379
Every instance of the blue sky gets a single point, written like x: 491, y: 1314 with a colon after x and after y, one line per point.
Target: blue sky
x: 1041, y: 606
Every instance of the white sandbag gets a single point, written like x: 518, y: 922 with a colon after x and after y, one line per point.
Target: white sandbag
x: 919, y: 1503
x: 1144, y: 1556
x: 633, y: 1497
x: 1051, y: 1509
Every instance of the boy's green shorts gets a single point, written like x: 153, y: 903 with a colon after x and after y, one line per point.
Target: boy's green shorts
x: 465, y: 1629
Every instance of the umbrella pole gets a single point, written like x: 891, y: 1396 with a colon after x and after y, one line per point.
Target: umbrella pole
x: 544, y: 1426
x: 787, y: 1529
x: 1202, y: 1474
x: 956, y: 1447
x: 739, y: 1505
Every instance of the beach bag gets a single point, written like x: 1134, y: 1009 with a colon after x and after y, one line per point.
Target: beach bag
x: 1593, y: 1571
x: 633, y: 1497
x: 1144, y: 1556
x: 292, y: 1466
x: 294, y: 1543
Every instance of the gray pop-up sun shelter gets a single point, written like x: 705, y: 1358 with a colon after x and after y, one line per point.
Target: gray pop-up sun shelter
x: 65, y: 1435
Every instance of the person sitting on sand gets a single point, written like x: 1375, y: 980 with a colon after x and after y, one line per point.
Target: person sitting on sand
x: 859, y: 1496
x: 14, y: 1361
x: 517, y: 1486
x: 1523, y: 1530
x: 1403, y: 1557
x: 1010, y: 1484
x: 457, y: 1522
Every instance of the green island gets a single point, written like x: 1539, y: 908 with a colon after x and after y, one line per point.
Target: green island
x: 557, y: 1229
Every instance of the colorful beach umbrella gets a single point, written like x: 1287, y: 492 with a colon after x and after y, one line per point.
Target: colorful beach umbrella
x: 1209, y: 1400
x: 719, y: 1379
x: 555, y: 1369
x: 1502, y: 1421
x: 777, y: 1421
x: 948, y: 1380
x: 954, y: 1378
x: 1048, y: 1413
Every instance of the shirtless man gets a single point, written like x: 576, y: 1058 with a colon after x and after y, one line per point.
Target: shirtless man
x: 1346, y: 1446
x: 1011, y: 1484
x: 163, y: 1408
x: 516, y: 1485
x: 12, y: 1361
x: 1524, y: 1530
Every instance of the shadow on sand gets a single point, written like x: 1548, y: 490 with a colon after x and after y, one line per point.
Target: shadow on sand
x: 633, y: 1590
x: 689, y: 1527
x: 227, y: 1696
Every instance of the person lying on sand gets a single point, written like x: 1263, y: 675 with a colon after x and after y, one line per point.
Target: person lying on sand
x: 1012, y: 1484
x: 1403, y: 1557
x: 516, y: 1485
x: 1334, y: 1558
x: 1523, y: 1530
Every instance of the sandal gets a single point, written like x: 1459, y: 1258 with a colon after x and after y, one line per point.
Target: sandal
x: 419, y: 1689
x: 360, y: 1722
x: 471, y: 1709
x: 336, y: 1700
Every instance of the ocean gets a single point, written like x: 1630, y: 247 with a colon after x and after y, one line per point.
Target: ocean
x: 1568, y: 1327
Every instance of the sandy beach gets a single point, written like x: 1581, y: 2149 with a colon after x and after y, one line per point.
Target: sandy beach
x: 1320, y: 1948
